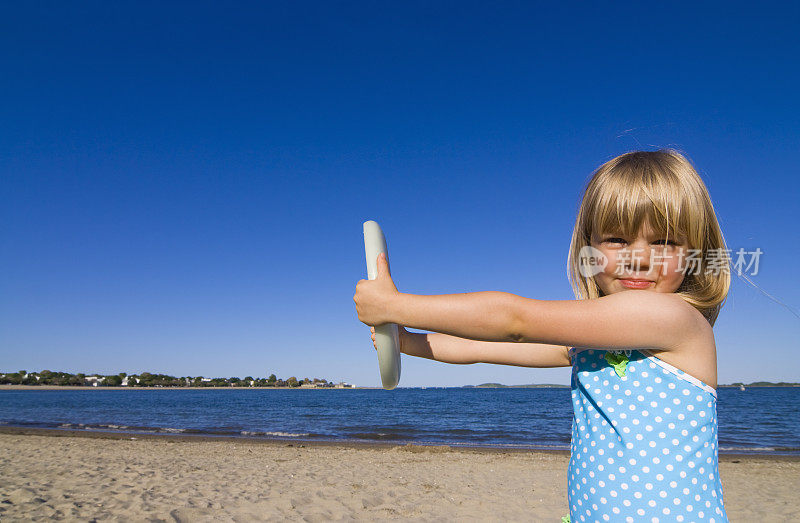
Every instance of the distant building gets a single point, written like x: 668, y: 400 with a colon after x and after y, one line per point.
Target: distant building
x: 94, y: 381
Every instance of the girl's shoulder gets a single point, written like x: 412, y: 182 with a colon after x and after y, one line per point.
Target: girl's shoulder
x: 697, y: 355
x: 696, y: 324
x: 700, y: 333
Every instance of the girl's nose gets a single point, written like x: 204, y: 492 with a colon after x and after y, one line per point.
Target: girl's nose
x: 639, y: 256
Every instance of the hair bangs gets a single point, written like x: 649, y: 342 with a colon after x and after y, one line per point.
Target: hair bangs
x: 625, y: 208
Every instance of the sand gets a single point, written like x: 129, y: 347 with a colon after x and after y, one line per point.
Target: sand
x: 107, y: 477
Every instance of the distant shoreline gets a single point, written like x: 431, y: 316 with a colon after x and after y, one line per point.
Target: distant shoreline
x: 100, y: 387
x: 89, y: 387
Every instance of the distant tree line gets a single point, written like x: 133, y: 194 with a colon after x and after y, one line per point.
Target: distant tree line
x: 764, y: 384
x: 147, y: 379
x: 45, y: 377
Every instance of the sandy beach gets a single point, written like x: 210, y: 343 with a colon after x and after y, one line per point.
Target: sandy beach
x: 86, y: 476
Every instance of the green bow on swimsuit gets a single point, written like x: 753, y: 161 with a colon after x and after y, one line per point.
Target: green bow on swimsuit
x: 618, y: 361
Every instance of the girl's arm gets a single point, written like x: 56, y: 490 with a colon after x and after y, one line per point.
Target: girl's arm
x: 629, y: 319
x: 452, y: 349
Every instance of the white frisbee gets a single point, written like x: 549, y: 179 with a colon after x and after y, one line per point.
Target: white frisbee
x: 387, y: 339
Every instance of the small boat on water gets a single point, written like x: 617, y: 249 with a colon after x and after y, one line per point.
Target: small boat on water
x: 741, y: 387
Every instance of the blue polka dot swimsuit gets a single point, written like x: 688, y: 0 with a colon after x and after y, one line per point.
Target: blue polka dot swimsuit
x: 644, y: 441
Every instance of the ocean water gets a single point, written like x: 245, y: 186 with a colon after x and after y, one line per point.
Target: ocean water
x: 758, y: 420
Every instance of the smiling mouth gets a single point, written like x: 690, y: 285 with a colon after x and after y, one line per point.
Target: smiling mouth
x: 635, y: 284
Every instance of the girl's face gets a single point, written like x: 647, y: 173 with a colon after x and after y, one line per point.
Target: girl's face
x: 657, y: 263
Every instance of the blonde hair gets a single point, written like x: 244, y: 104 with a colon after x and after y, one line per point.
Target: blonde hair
x: 660, y: 188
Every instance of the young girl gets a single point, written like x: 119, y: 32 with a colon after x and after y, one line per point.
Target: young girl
x: 649, y: 267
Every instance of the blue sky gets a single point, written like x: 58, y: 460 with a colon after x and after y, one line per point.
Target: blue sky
x: 183, y: 185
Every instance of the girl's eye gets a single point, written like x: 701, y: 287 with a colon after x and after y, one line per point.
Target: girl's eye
x: 661, y: 242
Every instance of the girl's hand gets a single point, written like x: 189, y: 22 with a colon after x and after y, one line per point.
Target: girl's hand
x: 374, y: 298
x: 401, y: 335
